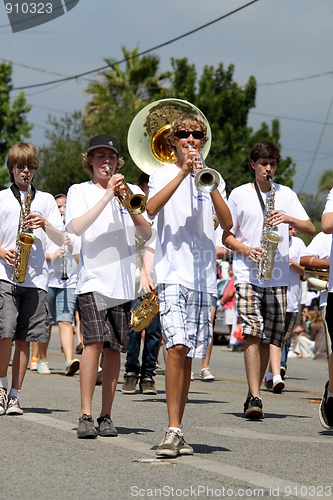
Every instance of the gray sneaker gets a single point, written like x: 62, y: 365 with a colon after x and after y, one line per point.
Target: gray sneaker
x: 170, y: 445
x: 130, y: 382
x: 185, y: 448
x: 147, y: 386
x: 13, y: 406
x: 106, y: 427
x: 86, y: 428
x: 3, y: 400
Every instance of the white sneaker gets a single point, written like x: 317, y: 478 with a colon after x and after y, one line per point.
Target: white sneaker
x: 192, y: 376
x: 206, y: 375
x: 43, y: 367
x: 292, y: 354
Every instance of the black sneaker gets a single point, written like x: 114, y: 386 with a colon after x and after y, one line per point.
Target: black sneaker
x: 283, y: 372
x: 326, y: 411
x: 86, y: 428
x: 253, y: 408
x: 129, y: 385
x: 278, y: 387
x: 147, y: 386
x: 106, y: 427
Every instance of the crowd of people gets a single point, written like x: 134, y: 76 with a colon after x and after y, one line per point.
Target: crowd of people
x: 83, y: 260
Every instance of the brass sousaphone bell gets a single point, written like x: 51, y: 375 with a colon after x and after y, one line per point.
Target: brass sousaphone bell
x: 147, y: 142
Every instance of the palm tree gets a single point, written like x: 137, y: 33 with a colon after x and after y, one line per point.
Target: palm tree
x: 325, y: 183
x: 131, y: 88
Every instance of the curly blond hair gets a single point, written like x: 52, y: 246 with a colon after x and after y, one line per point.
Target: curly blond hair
x: 184, y: 122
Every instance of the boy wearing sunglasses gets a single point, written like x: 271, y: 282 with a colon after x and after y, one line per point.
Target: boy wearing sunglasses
x: 23, y: 315
x: 185, y: 266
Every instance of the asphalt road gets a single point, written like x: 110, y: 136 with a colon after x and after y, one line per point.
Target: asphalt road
x: 287, y: 455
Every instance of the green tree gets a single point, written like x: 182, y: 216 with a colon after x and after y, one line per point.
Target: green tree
x: 325, y: 183
x: 13, y: 124
x: 119, y: 97
x: 60, y: 162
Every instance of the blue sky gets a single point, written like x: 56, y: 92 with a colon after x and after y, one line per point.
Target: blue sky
x: 274, y: 40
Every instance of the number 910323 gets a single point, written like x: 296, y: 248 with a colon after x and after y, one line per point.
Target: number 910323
x: 29, y: 8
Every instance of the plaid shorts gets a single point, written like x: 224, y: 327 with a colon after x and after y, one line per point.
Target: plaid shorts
x: 262, y: 311
x: 288, y: 327
x: 186, y: 318
x: 103, y: 324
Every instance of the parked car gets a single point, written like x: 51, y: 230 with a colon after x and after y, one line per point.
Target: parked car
x: 221, y: 330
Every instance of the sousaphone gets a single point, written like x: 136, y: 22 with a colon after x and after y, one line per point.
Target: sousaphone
x: 146, y: 139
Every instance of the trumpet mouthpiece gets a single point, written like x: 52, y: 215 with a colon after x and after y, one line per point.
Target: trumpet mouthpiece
x: 107, y: 169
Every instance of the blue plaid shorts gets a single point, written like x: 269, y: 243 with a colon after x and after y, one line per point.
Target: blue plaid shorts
x: 186, y: 318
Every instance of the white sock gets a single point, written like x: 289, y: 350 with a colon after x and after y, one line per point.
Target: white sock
x: 269, y: 376
x: 15, y: 393
x: 329, y: 394
x: 176, y: 429
x: 4, y: 382
x: 276, y: 378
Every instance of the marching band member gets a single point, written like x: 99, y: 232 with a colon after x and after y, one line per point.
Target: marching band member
x: 262, y: 304
x: 185, y: 267
x: 23, y: 312
x: 106, y: 278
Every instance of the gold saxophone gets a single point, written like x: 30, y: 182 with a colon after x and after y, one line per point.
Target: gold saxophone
x: 24, y: 241
x: 270, y: 238
x: 144, y: 311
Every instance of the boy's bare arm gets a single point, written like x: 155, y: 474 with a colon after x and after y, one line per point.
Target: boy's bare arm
x: 229, y: 240
x: 327, y: 223
x: 316, y: 263
x: 222, y: 210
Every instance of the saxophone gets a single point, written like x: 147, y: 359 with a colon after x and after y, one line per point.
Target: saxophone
x: 144, y: 311
x: 270, y: 238
x: 24, y: 241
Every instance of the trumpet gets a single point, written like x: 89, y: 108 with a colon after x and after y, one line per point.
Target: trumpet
x: 207, y: 179
x: 134, y: 203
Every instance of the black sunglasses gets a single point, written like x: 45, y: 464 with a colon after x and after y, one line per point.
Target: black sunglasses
x: 22, y: 167
x: 184, y: 134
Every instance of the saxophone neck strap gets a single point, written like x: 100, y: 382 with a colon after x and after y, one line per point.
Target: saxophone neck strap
x: 259, y: 196
x: 16, y: 192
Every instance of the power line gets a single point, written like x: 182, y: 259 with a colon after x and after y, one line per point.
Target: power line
x: 140, y: 53
x: 290, y: 118
x: 317, y: 148
x: 301, y: 78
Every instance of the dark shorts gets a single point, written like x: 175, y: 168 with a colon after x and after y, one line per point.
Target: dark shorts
x: 288, y: 327
x: 23, y: 313
x: 262, y: 311
x: 329, y: 317
x: 103, y: 324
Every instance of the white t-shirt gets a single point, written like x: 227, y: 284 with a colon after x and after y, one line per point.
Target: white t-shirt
x: 185, y: 250
x: 320, y: 247
x: 43, y: 204
x: 328, y: 209
x: 296, y: 250
x: 56, y: 266
x: 247, y: 215
x: 108, y: 254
